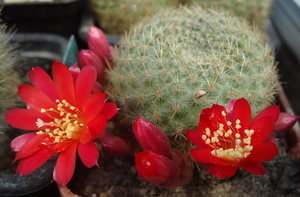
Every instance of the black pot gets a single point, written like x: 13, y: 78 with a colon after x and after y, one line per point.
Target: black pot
x: 29, y: 185
x: 58, y: 17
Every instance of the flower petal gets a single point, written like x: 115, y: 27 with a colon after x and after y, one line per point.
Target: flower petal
x: 93, y: 105
x: 263, y: 152
x: 64, y: 82
x: 222, y: 171
x: 35, y: 98
x: 219, y: 161
x: 213, y: 118
x: 229, y: 109
x: 41, y: 80
x: 88, y: 153
x: 25, y: 118
x: 17, y: 143
x: 97, y: 125
x: 241, y: 111
x: 272, y: 111
x: 65, y: 165
x: 31, y: 146
x: 34, y: 161
x: 254, y: 167
x: 202, y: 155
x: 86, y: 135
x: 263, y: 128
x: 109, y: 110
x: 194, y: 137
x: 84, y: 84
x: 74, y: 70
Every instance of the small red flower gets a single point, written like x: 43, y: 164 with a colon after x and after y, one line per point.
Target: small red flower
x: 114, y: 146
x: 98, y: 43
x: 227, y: 138
x: 158, y: 163
x: 66, y: 117
x: 285, y: 122
x: 157, y: 169
x: 151, y: 138
x: 87, y: 57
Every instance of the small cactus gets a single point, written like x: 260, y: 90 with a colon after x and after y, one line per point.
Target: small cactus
x: 180, y: 61
x: 116, y: 17
x: 8, y: 96
x: 8, y: 76
x: 255, y: 12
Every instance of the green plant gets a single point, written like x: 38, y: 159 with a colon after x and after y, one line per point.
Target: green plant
x: 256, y: 11
x: 172, y: 65
x: 8, y: 76
x: 116, y: 17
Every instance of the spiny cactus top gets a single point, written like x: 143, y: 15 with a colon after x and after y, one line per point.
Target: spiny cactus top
x: 180, y: 61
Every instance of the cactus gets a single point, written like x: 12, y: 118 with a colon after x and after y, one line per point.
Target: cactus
x: 8, y: 76
x: 116, y: 17
x: 255, y: 11
x: 172, y: 65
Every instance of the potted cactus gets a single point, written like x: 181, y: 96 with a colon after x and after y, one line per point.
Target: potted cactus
x: 189, y: 95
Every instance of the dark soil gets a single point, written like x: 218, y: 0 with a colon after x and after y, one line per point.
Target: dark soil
x: 118, y: 177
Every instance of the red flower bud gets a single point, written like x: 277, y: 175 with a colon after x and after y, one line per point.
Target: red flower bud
x: 114, y: 146
x: 87, y: 57
x: 284, y: 122
x: 151, y: 138
x: 97, y: 42
x: 157, y: 169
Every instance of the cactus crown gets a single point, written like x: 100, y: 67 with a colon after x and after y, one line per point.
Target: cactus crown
x: 180, y: 61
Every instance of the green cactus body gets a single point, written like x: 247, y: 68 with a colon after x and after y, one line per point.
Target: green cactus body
x: 8, y: 76
x: 255, y: 11
x: 176, y: 63
x: 116, y: 17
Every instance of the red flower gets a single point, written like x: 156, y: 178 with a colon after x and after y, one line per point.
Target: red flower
x: 157, y: 169
x: 227, y: 139
x: 66, y: 116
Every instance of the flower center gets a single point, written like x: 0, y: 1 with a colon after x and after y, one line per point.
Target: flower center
x: 229, y: 143
x: 67, y: 123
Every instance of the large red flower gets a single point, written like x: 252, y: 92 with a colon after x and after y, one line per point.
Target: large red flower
x: 65, y: 115
x: 227, y: 138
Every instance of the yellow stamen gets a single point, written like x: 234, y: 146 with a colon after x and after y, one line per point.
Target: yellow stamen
x: 66, y: 125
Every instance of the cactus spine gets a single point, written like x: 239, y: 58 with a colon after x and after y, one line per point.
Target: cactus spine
x: 180, y: 61
x: 116, y: 17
